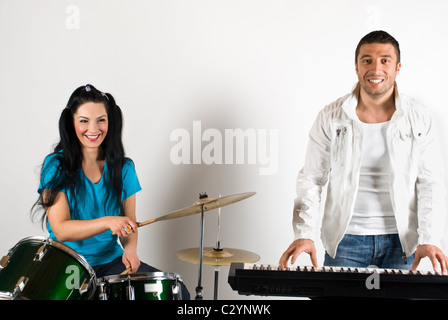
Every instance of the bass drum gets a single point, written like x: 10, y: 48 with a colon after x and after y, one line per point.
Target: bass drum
x: 140, y: 286
x: 39, y: 268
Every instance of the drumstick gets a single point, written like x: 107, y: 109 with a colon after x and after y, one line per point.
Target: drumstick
x: 141, y: 224
x: 126, y: 271
x: 204, y: 204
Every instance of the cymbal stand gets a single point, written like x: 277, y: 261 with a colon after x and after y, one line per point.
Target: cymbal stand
x: 218, y: 238
x: 217, y: 248
x: 201, y: 250
x: 215, y: 294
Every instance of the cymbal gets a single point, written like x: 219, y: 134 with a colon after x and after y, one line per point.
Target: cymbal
x: 213, y: 257
x: 208, y: 203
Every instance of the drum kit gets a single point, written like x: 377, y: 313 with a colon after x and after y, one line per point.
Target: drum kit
x: 39, y: 268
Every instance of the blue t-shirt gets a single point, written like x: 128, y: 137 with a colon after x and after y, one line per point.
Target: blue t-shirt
x: 91, y: 204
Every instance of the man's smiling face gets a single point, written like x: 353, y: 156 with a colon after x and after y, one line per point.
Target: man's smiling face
x: 377, y: 68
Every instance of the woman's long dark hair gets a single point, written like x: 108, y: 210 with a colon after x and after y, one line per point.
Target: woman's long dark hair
x: 69, y: 156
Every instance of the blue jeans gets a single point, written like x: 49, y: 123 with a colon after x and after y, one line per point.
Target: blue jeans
x: 382, y: 251
x: 116, y: 267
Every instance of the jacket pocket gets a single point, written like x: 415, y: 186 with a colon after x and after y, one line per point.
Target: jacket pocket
x: 406, y: 148
x: 412, y: 134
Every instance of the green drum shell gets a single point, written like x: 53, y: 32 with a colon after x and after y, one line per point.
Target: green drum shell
x: 143, y: 285
x: 51, y: 278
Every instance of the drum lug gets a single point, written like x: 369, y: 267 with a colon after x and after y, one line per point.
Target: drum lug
x: 20, y: 285
x: 4, y: 261
x: 84, y: 286
x: 102, y: 291
x: 130, y: 293
x: 177, y: 295
x: 40, y: 253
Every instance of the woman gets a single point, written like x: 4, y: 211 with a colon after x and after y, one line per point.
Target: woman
x: 88, y: 187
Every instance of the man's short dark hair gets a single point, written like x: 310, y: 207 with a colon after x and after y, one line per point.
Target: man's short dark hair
x: 378, y: 37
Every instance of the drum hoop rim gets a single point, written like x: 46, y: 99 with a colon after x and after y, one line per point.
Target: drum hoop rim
x: 159, y: 275
x: 4, y: 295
x: 64, y: 248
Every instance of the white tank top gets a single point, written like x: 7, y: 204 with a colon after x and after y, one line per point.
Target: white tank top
x: 373, y: 212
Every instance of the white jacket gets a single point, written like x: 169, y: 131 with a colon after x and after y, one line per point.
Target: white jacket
x: 334, y: 156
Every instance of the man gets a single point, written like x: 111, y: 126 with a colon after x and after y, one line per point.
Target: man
x: 379, y: 153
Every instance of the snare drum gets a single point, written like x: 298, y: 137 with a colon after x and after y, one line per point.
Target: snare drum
x: 140, y: 286
x: 39, y: 268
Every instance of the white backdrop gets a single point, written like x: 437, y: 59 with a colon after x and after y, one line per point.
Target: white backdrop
x: 188, y: 68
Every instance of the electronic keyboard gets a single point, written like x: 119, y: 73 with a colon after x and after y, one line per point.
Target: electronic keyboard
x: 336, y: 282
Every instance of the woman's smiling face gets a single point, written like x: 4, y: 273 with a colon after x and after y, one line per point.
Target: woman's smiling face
x: 91, y: 124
